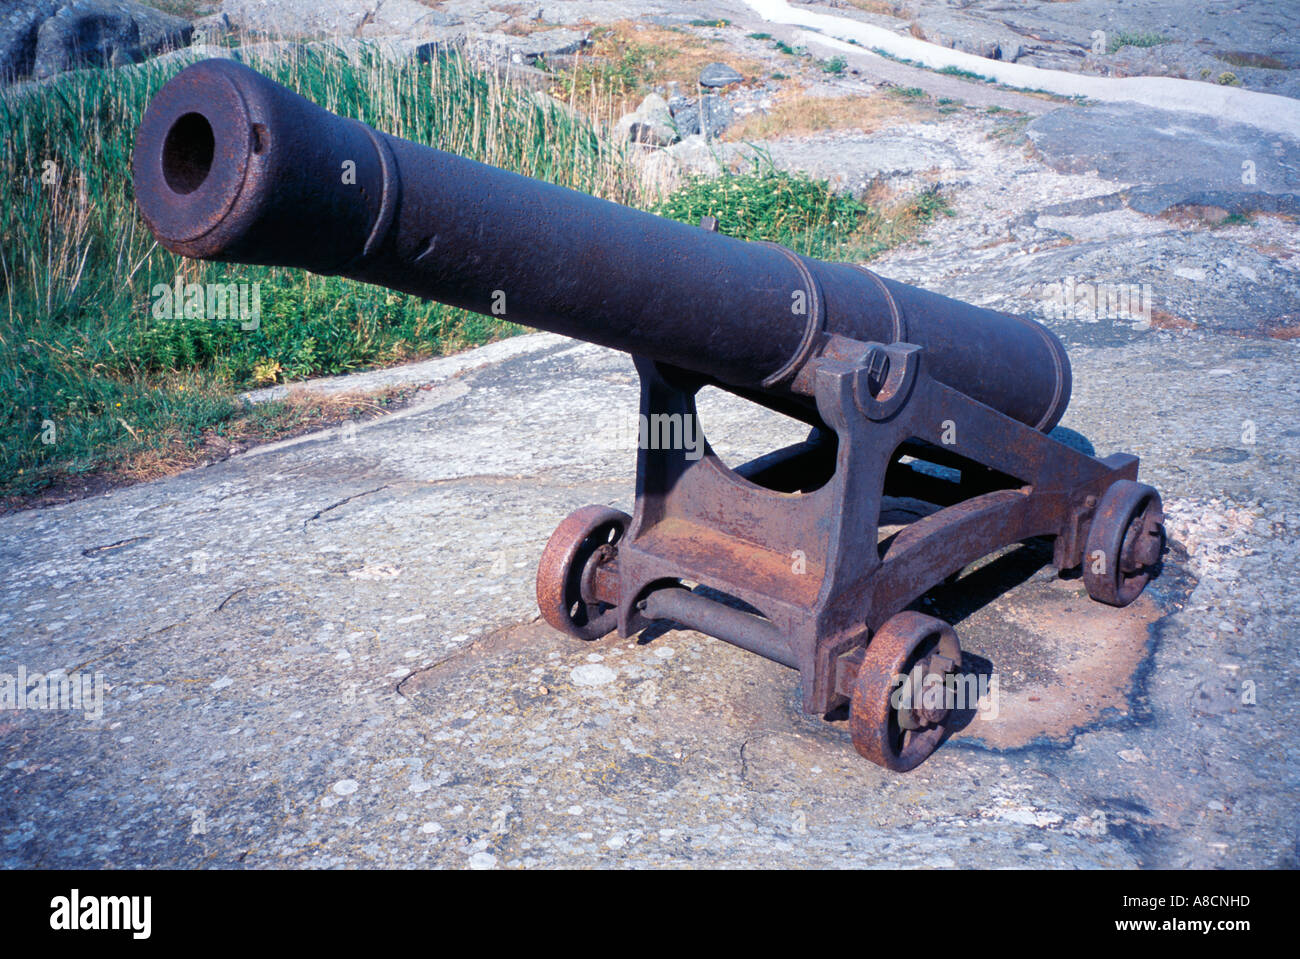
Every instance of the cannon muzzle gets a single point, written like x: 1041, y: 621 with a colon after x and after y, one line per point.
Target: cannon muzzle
x: 229, y: 165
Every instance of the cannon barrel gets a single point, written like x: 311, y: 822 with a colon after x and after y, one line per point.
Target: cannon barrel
x: 229, y: 165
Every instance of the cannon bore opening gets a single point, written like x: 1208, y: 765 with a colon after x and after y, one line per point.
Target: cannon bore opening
x: 187, y: 153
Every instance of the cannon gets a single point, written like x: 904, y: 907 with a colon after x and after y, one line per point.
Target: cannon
x: 906, y: 393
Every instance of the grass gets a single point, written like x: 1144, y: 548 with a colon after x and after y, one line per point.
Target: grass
x: 90, y: 379
x: 965, y: 74
x: 95, y: 388
x: 1237, y: 219
x: 767, y: 204
x: 802, y: 213
x: 299, y: 412
x: 1129, y: 38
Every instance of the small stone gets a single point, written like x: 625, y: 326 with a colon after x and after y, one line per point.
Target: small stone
x: 719, y: 75
x: 482, y: 860
x: 345, y: 787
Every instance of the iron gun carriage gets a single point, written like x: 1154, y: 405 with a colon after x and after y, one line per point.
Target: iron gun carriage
x: 231, y: 166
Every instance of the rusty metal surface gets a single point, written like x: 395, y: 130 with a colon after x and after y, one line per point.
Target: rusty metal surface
x: 909, y: 394
x: 579, y: 547
x: 1124, y: 544
x: 907, y: 658
x: 264, y: 186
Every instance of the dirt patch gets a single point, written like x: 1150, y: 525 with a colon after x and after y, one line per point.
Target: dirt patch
x: 1286, y: 327
x: 1063, y: 662
x: 627, y: 59
x: 796, y: 113
x: 1164, y: 320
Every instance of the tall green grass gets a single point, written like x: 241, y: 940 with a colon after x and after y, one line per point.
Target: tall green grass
x: 82, y: 359
x: 91, y: 380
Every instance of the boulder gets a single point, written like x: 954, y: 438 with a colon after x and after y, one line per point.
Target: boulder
x: 719, y: 75
x: 212, y: 28
x: 686, y: 115
x: 43, y: 37
x: 992, y: 41
x: 531, y: 49
x: 650, y: 123
x: 695, y: 157
x: 660, y: 173
x: 450, y: 44
x: 104, y: 33
x: 19, y: 24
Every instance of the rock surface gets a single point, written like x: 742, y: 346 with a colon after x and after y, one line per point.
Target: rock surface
x: 42, y: 38
x: 993, y: 41
x: 1174, y: 160
x: 323, y: 653
x: 719, y: 75
x: 651, y: 123
x: 1256, y: 40
x: 718, y: 115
